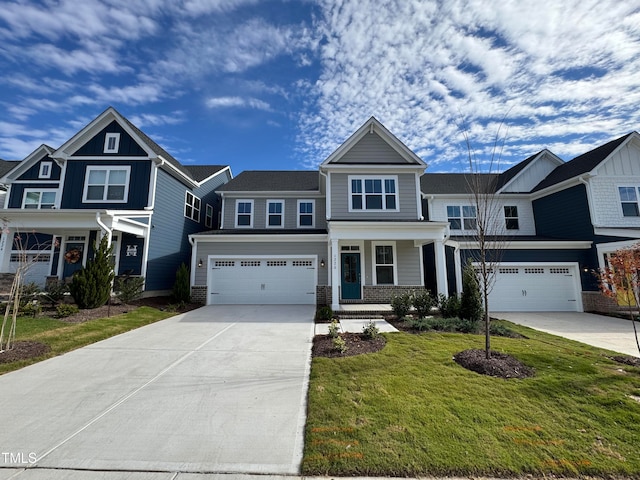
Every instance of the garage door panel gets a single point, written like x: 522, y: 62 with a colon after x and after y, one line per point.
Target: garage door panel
x: 263, y: 281
x: 535, y: 288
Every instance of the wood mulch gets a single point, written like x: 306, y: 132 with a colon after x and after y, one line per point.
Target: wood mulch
x: 627, y: 360
x: 499, y: 365
x: 356, y: 343
x: 21, y: 350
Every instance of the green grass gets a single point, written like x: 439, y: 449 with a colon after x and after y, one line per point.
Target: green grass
x: 411, y: 410
x: 63, y: 337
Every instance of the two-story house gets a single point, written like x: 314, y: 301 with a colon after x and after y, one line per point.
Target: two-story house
x: 353, y: 231
x: 109, y: 179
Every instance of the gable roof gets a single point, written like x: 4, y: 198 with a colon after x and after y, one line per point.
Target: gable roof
x: 7, y: 165
x: 581, y: 164
x: 202, y: 172
x: 456, y: 183
x: 374, y: 126
x: 19, y: 167
x: 511, y: 173
x: 274, y: 181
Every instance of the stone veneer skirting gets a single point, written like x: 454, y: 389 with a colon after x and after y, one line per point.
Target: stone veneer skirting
x: 370, y: 293
x: 199, y: 294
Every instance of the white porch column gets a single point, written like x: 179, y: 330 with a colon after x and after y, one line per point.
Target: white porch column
x: 6, y: 244
x: 441, y: 267
x: 458, y: 265
x: 335, y: 275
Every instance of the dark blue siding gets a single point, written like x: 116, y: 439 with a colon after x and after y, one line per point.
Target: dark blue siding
x: 564, y: 215
x: 32, y: 241
x: 138, y: 185
x: 131, y: 265
x: 95, y: 147
x: 17, y: 192
x: 33, y: 172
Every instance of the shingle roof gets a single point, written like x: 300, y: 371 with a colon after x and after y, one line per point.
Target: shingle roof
x: 452, y: 183
x: 6, y: 166
x: 274, y: 181
x: 201, y: 172
x: 581, y: 164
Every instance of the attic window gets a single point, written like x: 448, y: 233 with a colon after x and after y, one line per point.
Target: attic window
x: 111, y: 142
x: 45, y: 170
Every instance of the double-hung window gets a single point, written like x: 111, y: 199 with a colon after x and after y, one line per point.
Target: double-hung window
x: 629, y: 201
x: 305, y: 213
x: 275, y: 213
x: 208, y: 216
x: 384, y: 265
x: 192, y: 207
x: 244, y: 213
x: 461, y: 217
x: 39, y: 199
x: 106, y: 184
x: 511, y: 217
x: 373, y: 193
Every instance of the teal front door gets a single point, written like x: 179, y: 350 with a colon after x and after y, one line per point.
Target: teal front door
x: 350, y: 276
x: 74, y: 252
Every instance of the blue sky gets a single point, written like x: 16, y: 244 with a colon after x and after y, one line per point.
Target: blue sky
x: 280, y: 84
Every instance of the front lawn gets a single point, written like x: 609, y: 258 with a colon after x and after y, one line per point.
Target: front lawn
x: 411, y: 410
x: 62, y: 337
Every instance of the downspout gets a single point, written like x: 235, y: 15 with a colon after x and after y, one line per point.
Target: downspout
x: 152, y: 191
x: 582, y: 180
x: 106, y: 229
x: 192, y: 275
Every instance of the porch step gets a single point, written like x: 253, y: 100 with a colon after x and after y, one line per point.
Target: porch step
x: 342, y: 315
x: 363, y: 311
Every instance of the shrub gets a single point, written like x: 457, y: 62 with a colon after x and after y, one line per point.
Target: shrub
x: 334, y: 329
x: 449, y: 306
x: 471, y: 301
x: 340, y: 345
x: 420, y: 323
x: 66, y: 310
x: 324, y: 313
x: 181, y: 290
x: 128, y: 288
x: 423, y: 302
x: 29, y: 293
x: 91, y: 286
x: 401, y: 304
x: 32, y: 309
x: 370, y: 330
x: 54, y: 292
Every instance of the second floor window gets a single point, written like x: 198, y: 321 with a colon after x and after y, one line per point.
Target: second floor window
x: 461, y: 217
x: 373, y: 193
x: 208, y: 216
x: 511, y: 217
x: 244, y: 213
x: 39, y: 199
x: 192, y: 207
x: 275, y: 213
x: 106, y: 184
x: 305, y: 213
x: 629, y: 200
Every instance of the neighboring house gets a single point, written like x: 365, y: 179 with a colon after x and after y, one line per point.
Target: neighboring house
x: 108, y: 179
x: 351, y: 232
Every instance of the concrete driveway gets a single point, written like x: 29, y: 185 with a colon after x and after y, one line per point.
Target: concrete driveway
x: 218, y: 389
x: 598, y: 330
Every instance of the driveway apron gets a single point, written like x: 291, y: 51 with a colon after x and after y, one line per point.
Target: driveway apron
x: 218, y: 389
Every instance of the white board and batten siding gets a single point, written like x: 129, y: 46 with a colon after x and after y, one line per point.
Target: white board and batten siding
x: 258, y: 280
x: 536, y: 287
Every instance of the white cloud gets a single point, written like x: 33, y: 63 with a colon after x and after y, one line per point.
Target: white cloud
x: 237, y: 102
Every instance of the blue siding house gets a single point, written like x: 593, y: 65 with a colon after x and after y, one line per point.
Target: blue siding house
x: 109, y: 179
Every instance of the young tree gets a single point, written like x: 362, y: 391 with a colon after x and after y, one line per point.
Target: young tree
x: 470, y: 301
x: 91, y: 286
x: 490, y: 231
x: 620, y: 280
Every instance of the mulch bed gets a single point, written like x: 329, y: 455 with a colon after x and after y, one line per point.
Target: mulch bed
x: 627, y: 360
x: 357, y: 344
x: 499, y: 365
x: 23, y: 349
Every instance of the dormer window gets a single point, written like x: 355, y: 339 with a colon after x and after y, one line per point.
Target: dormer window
x: 111, y: 142
x: 45, y: 170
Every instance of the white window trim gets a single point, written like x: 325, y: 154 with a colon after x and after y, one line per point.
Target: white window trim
x: 41, y: 173
x: 394, y: 251
x: 194, y: 210
x: 116, y: 147
x: 208, y: 216
x: 39, y: 190
x: 313, y: 213
x: 350, y: 179
x: 238, y: 201
x: 462, y: 217
x: 109, y: 168
x: 636, y: 188
x: 516, y: 218
x: 266, y: 221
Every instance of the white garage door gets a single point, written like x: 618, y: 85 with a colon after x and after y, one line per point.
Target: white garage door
x: 248, y: 280
x: 531, y: 288
x: 38, y: 267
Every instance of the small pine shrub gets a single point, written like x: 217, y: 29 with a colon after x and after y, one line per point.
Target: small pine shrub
x: 181, y: 289
x: 420, y: 324
x: 54, y: 292
x: 370, y: 330
x: 500, y: 330
x: 471, y: 300
x: 401, y: 304
x: 31, y: 309
x: 30, y: 292
x: 334, y: 329
x: 324, y: 314
x: 64, y: 310
x: 422, y: 302
x: 128, y: 288
x: 90, y: 287
x: 340, y: 345
x: 449, y: 306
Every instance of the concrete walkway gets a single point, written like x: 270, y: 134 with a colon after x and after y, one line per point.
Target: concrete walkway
x: 598, y: 330
x: 220, y: 389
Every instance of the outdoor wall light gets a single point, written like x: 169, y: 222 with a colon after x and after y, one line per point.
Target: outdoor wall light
x: 322, y: 264
x: 200, y: 263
